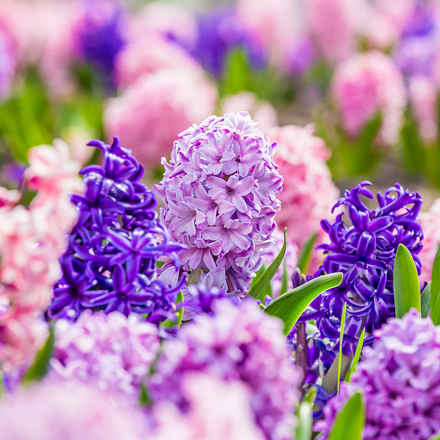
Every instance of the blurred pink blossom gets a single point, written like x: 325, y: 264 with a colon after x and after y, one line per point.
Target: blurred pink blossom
x: 218, y: 410
x: 262, y: 112
x: 149, y: 115
x: 309, y: 193
x: 423, y: 98
x: 366, y: 84
x: 430, y: 222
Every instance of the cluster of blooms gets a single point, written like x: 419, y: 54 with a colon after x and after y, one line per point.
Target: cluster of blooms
x: 110, y: 263
x: 31, y: 240
x: 206, y: 419
x: 219, y: 191
x: 236, y: 344
x: 55, y: 410
x: 113, y: 352
x: 308, y: 192
x: 400, y: 381
x: 367, y: 84
x: 364, y: 251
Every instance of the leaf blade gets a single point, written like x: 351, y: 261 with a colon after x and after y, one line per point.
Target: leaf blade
x: 349, y: 422
x: 306, y: 253
x: 341, y: 338
x: 357, y: 356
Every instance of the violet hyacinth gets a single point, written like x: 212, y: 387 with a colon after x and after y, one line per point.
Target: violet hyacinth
x: 220, y: 194
x: 219, y: 32
x: 236, y: 344
x: 110, y: 263
x: 364, y: 251
x: 400, y: 381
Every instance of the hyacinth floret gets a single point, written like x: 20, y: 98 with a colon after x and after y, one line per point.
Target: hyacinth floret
x: 220, y: 194
x: 111, y: 260
x: 363, y: 249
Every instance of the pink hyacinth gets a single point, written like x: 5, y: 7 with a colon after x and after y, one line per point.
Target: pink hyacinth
x: 262, y: 112
x: 148, y: 55
x: 333, y: 24
x: 70, y: 411
x: 423, y: 99
x: 275, y: 23
x: 218, y: 411
x: 399, y: 378
x: 309, y: 193
x: 220, y: 194
x: 112, y: 352
x: 31, y: 241
x: 430, y: 222
x: 164, y: 19
x: 366, y: 84
x: 237, y: 344
x: 150, y: 115
x: 8, y: 57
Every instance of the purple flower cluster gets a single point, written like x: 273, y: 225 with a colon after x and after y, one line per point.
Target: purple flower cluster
x: 363, y: 249
x: 219, y: 32
x: 112, y: 352
x: 400, y: 381
x: 101, y: 35
x: 110, y: 263
x: 220, y: 194
x: 236, y: 344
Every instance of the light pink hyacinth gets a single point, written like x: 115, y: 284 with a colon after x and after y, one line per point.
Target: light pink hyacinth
x: 276, y: 23
x: 31, y: 240
x: 150, y: 115
x: 366, y: 84
x: 423, y: 99
x: 70, y: 411
x: 149, y: 55
x: 333, y: 24
x: 218, y: 411
x: 262, y: 112
x: 430, y: 222
x: 309, y: 193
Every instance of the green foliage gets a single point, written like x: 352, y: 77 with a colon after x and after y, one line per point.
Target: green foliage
x: 341, y: 338
x: 426, y: 301
x: 290, y: 306
x: 349, y: 423
x: 177, y: 322
x: 412, y: 151
x: 306, y: 253
x: 304, y: 417
x: 357, y: 356
x: 435, y: 290
x: 40, y: 367
x: 405, y: 283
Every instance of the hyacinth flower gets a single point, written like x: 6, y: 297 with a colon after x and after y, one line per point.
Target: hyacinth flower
x: 110, y: 263
x: 219, y: 32
x: 399, y: 378
x: 363, y: 246
x: 220, y: 198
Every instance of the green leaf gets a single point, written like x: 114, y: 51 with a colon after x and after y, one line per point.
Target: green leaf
x: 262, y: 287
x: 306, y: 253
x: 349, y: 423
x: 38, y: 370
x: 435, y: 437
x: 357, y: 356
x: 290, y: 306
x: 305, y: 416
x: 426, y: 300
x: 406, y: 283
x: 412, y: 151
x: 144, y: 396
x: 236, y: 73
x: 285, y: 279
x: 341, y: 337
x: 170, y: 323
x: 435, y: 290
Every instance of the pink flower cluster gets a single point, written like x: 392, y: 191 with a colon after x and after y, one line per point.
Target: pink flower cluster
x: 55, y: 410
x: 31, y: 240
x: 237, y: 344
x: 364, y: 85
x: 309, y: 193
x: 218, y: 411
x: 220, y: 194
x: 112, y: 352
x: 430, y: 222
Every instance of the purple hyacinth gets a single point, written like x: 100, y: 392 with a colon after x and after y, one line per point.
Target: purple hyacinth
x: 220, y: 194
x: 101, y: 35
x: 363, y: 247
x: 400, y: 381
x: 219, y: 32
x: 110, y: 263
x: 111, y: 352
x: 236, y: 344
